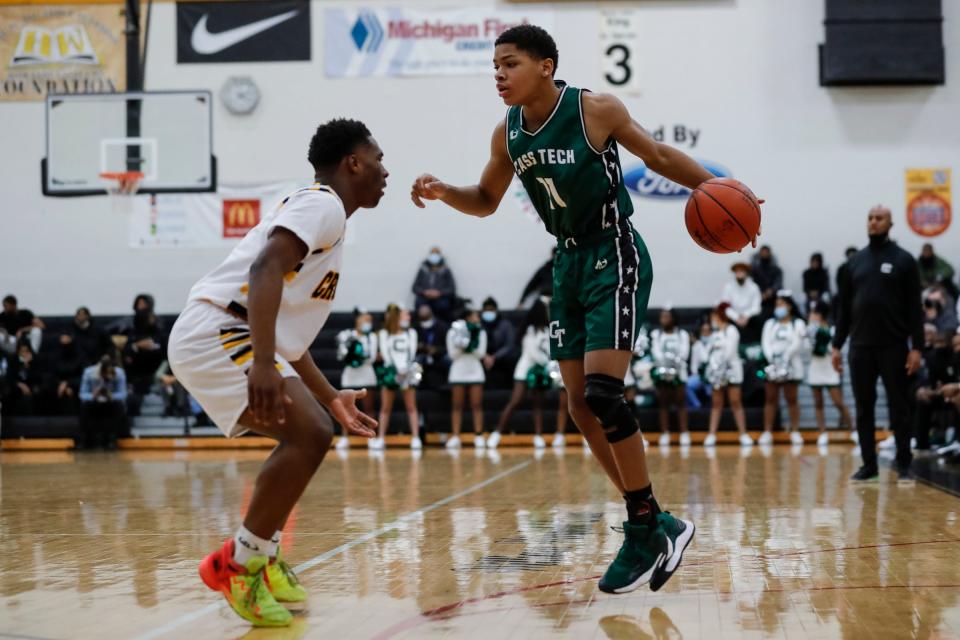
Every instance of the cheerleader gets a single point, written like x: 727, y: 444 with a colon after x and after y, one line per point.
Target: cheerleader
x: 466, y: 346
x: 530, y: 373
x: 357, y: 350
x: 821, y: 374
x: 724, y: 374
x: 699, y: 354
x: 400, y: 371
x: 670, y: 348
x: 784, y: 336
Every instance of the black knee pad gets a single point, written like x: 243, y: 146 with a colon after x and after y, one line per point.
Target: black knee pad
x: 604, y: 395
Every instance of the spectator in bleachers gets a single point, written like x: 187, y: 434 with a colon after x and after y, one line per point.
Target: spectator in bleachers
x: 939, y: 309
x: 670, y: 348
x: 69, y: 365
x: 18, y: 325
x: 431, y: 347
x: 816, y: 282
x: 501, y: 345
x: 91, y: 342
x: 935, y: 270
x: 143, y: 354
x: 821, y: 375
x: 467, y: 345
x: 397, y: 342
x: 743, y: 298
x: 784, y: 337
x: 698, y: 391
x: 25, y: 382
x: 941, y: 367
x: 531, y: 373
x: 357, y: 349
x: 769, y: 277
x: 541, y: 284
x: 724, y: 374
x: 949, y: 392
x: 435, y: 286
x: 103, y: 394
x: 847, y: 254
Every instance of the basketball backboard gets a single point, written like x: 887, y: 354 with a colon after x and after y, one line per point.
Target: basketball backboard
x: 166, y: 135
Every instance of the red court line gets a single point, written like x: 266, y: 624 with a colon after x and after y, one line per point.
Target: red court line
x: 443, y: 612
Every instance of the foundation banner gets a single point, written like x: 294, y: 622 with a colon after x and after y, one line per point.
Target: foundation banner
x: 929, y: 201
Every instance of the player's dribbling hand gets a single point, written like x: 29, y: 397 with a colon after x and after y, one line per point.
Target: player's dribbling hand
x: 344, y: 410
x: 265, y: 396
x: 427, y: 187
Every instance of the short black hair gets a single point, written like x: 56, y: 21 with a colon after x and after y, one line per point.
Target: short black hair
x: 532, y: 39
x: 491, y: 302
x: 335, y: 140
x: 10, y: 299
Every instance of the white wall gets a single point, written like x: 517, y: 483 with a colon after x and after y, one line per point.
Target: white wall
x: 743, y: 72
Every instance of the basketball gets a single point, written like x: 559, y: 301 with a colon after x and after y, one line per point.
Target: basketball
x: 723, y: 215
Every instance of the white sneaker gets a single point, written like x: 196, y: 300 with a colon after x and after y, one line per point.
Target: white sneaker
x: 888, y: 443
x: 766, y: 438
x: 559, y: 440
x: 493, y: 440
x: 796, y: 438
x: 854, y: 437
x: 539, y: 442
x: 415, y: 444
x: 377, y: 444
x: 479, y: 441
x: 746, y: 440
x: 950, y: 448
x: 710, y: 440
x: 343, y: 443
x: 823, y: 439
x: 664, y: 440
x: 452, y: 443
x: 913, y: 444
x: 685, y: 439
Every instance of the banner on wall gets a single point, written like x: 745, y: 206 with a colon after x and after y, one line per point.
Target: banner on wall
x: 392, y: 41
x: 618, y: 44
x: 202, y: 220
x: 61, y: 49
x: 251, y: 31
x: 928, y: 201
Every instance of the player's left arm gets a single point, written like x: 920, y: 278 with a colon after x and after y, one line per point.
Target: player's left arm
x: 607, y: 117
x: 341, y: 404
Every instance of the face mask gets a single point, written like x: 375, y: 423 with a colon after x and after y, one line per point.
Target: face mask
x: 434, y: 258
x: 426, y: 324
x: 404, y: 324
x: 780, y: 313
x: 83, y: 324
x: 489, y: 316
x: 714, y: 326
x: 366, y: 327
x: 741, y: 279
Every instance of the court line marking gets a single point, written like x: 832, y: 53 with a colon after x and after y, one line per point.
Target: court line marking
x: 370, y: 535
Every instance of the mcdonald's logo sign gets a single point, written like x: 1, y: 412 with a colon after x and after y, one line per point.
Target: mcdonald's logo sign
x: 239, y: 216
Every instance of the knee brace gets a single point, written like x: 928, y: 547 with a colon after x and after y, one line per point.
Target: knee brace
x: 604, y: 395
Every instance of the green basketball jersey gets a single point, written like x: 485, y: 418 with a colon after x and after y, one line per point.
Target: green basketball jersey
x: 577, y: 190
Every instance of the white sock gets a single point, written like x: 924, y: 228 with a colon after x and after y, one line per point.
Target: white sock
x: 275, y: 544
x: 246, y: 545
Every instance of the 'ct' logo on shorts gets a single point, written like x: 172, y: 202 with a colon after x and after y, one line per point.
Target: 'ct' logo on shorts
x: 556, y: 333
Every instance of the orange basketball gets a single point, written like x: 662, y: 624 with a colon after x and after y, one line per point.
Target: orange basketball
x: 723, y: 215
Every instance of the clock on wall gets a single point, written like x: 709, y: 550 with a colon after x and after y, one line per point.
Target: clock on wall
x: 240, y: 95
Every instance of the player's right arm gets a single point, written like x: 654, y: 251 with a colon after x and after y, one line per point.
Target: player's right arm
x: 282, y: 253
x: 481, y: 199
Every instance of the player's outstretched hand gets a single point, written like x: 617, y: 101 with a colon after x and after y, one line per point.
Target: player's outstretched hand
x: 265, y: 395
x: 427, y: 187
x: 344, y: 410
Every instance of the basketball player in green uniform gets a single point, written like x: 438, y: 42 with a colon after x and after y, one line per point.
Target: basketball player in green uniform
x: 562, y: 144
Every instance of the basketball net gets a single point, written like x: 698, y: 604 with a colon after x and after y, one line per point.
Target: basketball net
x: 121, y: 187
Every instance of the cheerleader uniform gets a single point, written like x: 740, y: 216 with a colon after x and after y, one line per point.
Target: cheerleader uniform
x: 821, y: 373
x: 782, y: 343
x: 671, y: 350
x: 362, y: 375
x: 534, y: 350
x: 724, y: 366
x: 399, y: 350
x: 466, y: 346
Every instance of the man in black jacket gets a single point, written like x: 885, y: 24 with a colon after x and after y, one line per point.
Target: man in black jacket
x: 880, y: 310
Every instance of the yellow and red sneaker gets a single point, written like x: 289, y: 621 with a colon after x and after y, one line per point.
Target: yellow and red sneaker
x: 283, y: 583
x: 244, y: 587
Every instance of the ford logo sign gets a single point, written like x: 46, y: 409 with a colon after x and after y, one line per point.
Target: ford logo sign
x: 644, y: 182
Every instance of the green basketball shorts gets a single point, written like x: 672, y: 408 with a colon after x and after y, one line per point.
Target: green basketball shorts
x: 601, y: 287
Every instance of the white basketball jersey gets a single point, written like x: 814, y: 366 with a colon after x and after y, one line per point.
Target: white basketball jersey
x: 315, y: 215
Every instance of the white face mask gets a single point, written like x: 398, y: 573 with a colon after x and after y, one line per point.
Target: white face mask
x: 366, y: 327
x: 434, y: 258
x: 489, y: 316
x: 404, y: 324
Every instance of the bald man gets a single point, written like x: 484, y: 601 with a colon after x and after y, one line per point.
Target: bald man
x: 880, y: 310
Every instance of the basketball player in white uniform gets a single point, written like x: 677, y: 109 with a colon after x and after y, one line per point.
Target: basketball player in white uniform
x: 241, y: 348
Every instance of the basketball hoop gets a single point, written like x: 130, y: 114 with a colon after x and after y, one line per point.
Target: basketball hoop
x: 121, y: 187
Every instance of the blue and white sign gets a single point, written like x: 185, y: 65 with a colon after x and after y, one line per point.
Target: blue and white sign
x: 641, y: 181
x: 392, y: 41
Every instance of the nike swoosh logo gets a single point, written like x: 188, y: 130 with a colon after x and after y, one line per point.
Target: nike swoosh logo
x: 207, y: 43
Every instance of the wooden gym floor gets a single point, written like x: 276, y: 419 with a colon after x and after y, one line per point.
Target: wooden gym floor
x: 465, y: 546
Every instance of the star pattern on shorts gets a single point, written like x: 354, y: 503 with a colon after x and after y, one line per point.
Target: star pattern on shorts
x: 625, y: 334
x: 626, y: 311
x: 629, y: 270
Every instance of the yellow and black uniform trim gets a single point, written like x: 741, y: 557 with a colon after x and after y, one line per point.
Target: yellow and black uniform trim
x: 237, y: 342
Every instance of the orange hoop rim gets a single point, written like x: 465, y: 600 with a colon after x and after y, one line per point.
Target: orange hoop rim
x: 121, y: 175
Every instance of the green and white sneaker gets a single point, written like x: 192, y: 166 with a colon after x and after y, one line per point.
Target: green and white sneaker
x: 644, y: 549
x: 680, y: 534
